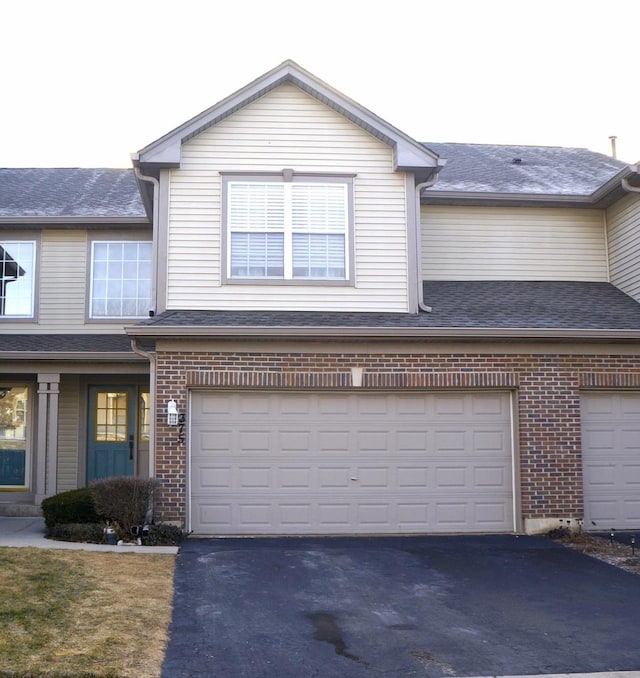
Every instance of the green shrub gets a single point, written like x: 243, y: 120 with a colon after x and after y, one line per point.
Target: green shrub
x: 74, y: 506
x: 125, y: 502
x: 163, y: 534
x: 87, y: 533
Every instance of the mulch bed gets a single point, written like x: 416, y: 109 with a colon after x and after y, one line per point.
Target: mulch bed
x: 617, y: 550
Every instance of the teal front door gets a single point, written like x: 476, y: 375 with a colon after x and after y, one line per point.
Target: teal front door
x: 111, y: 439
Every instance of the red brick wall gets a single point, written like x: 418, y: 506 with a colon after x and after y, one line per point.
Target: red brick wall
x: 548, y: 404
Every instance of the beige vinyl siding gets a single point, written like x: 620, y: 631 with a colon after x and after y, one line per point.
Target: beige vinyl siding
x: 62, y: 283
x: 286, y: 128
x: 623, y: 231
x: 63, y: 278
x: 68, y: 432
x: 503, y: 243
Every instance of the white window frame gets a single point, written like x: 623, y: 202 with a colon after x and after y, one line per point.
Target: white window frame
x: 4, y: 243
x: 287, y: 179
x: 107, y: 316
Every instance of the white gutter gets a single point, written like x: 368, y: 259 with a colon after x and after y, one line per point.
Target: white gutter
x: 152, y: 403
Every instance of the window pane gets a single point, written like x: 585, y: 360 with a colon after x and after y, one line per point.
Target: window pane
x: 257, y: 255
x: 130, y: 251
x: 144, y: 416
x: 318, y: 256
x: 256, y: 206
x: 17, y: 262
x: 14, y: 403
x: 121, y: 279
x: 319, y: 207
x: 111, y: 417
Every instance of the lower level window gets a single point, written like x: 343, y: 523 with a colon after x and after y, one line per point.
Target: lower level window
x: 14, y: 422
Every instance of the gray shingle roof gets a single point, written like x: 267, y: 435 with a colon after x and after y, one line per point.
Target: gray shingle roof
x: 69, y: 192
x: 456, y: 304
x: 542, y: 170
x: 65, y: 343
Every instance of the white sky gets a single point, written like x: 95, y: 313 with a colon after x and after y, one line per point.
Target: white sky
x: 86, y: 82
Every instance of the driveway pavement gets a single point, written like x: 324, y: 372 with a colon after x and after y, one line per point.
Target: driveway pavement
x: 406, y: 606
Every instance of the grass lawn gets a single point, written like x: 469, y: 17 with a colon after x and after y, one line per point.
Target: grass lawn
x: 83, y: 613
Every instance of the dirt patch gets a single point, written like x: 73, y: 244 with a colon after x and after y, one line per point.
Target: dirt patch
x: 617, y: 551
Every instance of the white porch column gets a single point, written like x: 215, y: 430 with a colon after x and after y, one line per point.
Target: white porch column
x: 46, y: 456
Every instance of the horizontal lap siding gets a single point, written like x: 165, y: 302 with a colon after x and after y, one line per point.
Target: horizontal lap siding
x: 623, y: 231
x: 68, y: 433
x: 476, y: 243
x: 286, y: 129
x: 63, y: 278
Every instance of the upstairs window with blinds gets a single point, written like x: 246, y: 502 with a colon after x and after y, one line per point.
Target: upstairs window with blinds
x: 287, y: 230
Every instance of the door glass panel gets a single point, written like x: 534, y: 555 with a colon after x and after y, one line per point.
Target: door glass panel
x: 111, y: 416
x: 14, y: 404
x: 143, y: 417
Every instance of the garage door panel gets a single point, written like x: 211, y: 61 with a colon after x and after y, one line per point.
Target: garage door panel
x: 294, y: 477
x: 372, y: 476
x: 333, y: 476
x: 484, y: 441
x: 373, y: 466
x: 490, y: 477
x: 411, y: 441
x: 368, y: 440
x: 412, y: 476
x: 631, y: 475
x: 611, y: 459
x: 214, y: 477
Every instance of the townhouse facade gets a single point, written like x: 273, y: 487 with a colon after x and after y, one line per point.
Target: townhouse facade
x: 302, y: 321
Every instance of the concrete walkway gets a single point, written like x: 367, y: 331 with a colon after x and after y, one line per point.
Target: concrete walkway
x: 20, y: 532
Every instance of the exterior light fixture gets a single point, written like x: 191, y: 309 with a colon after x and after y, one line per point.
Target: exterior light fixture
x: 172, y: 413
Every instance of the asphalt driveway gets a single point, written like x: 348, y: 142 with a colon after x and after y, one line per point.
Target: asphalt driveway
x: 406, y: 606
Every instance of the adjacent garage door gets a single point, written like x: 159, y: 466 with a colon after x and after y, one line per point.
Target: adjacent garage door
x: 611, y: 459
x: 328, y: 463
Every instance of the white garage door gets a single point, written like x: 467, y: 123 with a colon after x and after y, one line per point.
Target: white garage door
x: 611, y: 460
x: 327, y: 463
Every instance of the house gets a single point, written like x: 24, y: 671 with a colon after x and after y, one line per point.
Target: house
x: 302, y: 321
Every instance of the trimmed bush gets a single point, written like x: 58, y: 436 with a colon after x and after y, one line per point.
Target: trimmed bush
x: 125, y: 502
x: 74, y: 506
x: 86, y: 533
x: 163, y: 534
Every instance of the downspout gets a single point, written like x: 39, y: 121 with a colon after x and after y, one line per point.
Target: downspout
x: 154, y: 230
x: 154, y: 301
x: 419, y: 188
x: 152, y: 404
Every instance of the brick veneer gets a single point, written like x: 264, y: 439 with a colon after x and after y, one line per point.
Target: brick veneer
x: 548, y: 404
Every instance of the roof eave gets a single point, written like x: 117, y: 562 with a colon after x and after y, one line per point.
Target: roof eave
x: 70, y: 356
x: 398, y: 333
x: 71, y: 220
